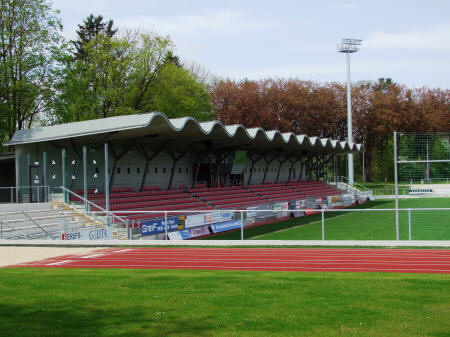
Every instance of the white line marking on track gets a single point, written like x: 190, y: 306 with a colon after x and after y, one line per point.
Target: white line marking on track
x: 122, y: 250
x: 92, y: 256
x: 57, y: 263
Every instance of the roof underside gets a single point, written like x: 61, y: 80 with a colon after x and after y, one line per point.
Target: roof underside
x: 156, y: 128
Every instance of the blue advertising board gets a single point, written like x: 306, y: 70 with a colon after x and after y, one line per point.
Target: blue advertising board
x: 157, y: 226
x: 225, y: 226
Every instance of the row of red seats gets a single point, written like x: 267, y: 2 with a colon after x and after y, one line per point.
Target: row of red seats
x: 167, y: 198
x: 239, y: 200
x: 191, y: 207
x: 159, y: 203
x: 135, y: 194
x: 214, y: 189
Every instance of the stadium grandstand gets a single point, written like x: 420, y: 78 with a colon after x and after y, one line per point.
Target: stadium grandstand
x: 139, y: 166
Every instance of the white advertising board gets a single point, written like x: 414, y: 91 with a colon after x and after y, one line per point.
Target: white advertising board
x: 89, y: 234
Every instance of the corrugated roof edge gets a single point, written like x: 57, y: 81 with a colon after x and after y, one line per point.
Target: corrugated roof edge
x: 128, y: 122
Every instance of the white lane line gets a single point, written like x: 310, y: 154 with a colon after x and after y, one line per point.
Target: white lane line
x: 288, y: 254
x: 58, y: 263
x: 122, y: 250
x: 92, y: 256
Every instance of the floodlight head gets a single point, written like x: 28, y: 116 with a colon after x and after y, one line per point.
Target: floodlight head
x: 349, y: 45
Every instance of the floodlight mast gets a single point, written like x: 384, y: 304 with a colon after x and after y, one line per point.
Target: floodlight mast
x: 349, y: 46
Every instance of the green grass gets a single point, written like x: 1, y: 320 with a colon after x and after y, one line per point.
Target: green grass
x: 425, y: 225
x: 125, y: 302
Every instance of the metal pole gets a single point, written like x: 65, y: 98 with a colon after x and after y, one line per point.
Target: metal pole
x: 44, y: 180
x: 396, y: 187
x: 107, y: 183
x: 12, y: 197
x: 349, y: 123
x: 363, y: 167
x: 323, y: 224
x: 85, y: 178
x: 409, y: 224
x: 242, y: 225
x: 63, y: 167
x: 18, y: 175
x: 30, y: 189
x: 165, y: 225
x: 128, y: 229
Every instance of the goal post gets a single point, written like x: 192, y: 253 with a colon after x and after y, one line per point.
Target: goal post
x: 422, y: 161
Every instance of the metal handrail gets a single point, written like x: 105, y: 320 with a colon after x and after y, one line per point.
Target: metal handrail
x: 92, y: 204
x: 288, y: 210
x: 15, y: 229
x: 345, y: 180
x: 33, y: 221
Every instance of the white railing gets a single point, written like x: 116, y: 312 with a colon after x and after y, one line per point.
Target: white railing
x: 247, y: 221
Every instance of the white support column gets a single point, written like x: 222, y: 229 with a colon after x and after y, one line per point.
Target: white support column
x: 85, y: 189
x: 349, y: 123
x: 107, y: 183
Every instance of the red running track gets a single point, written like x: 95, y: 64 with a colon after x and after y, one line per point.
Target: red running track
x: 271, y: 259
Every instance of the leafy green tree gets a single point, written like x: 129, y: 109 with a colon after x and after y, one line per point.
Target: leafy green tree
x: 177, y: 93
x: 128, y: 73
x: 91, y: 27
x: 30, y: 42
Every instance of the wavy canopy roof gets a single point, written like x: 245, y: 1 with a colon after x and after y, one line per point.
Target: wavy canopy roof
x: 157, y: 124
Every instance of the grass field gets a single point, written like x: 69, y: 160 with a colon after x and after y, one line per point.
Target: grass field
x: 87, y: 302
x: 426, y: 225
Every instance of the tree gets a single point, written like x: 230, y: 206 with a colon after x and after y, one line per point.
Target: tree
x: 177, y: 93
x: 30, y: 41
x: 130, y: 72
x: 91, y: 27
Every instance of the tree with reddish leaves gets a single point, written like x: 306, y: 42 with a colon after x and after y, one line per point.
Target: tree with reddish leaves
x: 306, y: 107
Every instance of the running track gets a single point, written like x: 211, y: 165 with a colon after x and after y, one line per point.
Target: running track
x: 252, y: 259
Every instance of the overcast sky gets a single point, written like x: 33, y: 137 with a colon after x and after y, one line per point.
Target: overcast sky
x: 408, y: 41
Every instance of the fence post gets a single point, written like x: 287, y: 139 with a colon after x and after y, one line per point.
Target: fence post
x: 133, y: 222
x: 128, y: 228
x: 242, y: 225
x: 165, y: 225
x: 24, y: 225
x: 323, y: 224
x: 1, y: 229
x: 409, y: 224
x: 12, y: 198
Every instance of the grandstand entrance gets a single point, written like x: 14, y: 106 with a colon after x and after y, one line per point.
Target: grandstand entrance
x: 201, y: 174
x: 34, y: 181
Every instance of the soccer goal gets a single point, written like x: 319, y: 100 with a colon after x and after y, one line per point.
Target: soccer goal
x: 422, y: 161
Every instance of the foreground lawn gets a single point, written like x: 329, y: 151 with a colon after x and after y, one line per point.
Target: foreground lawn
x: 86, y: 302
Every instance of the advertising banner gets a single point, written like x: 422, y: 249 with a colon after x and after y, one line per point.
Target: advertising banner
x: 251, y: 214
x: 294, y: 205
x: 180, y: 235
x: 279, y: 207
x: 175, y: 236
x: 89, y: 234
x: 199, y: 231
x: 157, y: 226
x: 226, y: 226
x: 196, y: 220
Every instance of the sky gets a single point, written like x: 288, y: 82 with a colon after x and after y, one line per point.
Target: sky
x: 408, y: 41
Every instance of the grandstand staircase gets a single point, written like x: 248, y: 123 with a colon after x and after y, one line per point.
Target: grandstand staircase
x: 88, y: 221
